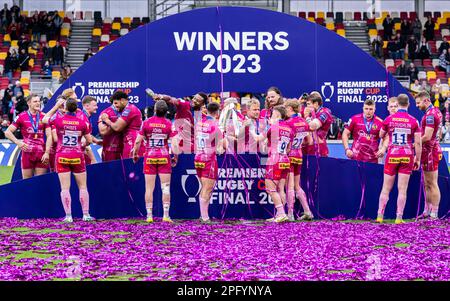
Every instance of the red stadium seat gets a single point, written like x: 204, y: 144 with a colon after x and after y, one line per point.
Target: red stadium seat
x: 436, y: 14
x: 339, y: 26
x: 403, y: 15
x: 412, y: 15
x: 397, y: 62
x: 392, y: 69
x: 357, y: 16
x: 431, y: 81
x: 302, y: 14
x: 441, y: 74
x: 427, y: 63
x: 311, y: 14
x: 370, y: 21
x: 330, y: 14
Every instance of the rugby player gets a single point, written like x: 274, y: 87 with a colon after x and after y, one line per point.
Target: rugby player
x: 365, y: 130
x: 300, y: 136
x: 90, y: 107
x: 69, y: 129
x: 156, y: 130
x: 431, y: 153
x: 35, y: 152
x: 273, y: 98
x: 392, y: 105
x: 402, y: 156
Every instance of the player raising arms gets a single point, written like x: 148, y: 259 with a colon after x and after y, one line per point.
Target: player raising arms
x: 319, y: 120
x: 129, y: 121
x: 402, y: 128
x: 69, y: 129
x: 279, y: 137
x: 35, y: 152
x: 208, y: 138
x: 300, y: 134
x: 156, y: 130
x: 365, y: 130
x: 431, y: 153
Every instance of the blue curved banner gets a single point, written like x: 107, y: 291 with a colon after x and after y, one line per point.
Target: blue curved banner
x: 252, y: 48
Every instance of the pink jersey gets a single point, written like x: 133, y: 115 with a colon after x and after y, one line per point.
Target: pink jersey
x: 185, y: 123
x: 112, y: 142
x: 264, y: 118
x: 279, y: 137
x: 433, y: 119
x: 51, y: 124
x: 70, y: 128
x: 325, y: 117
x: 133, y: 117
x: 156, y: 131
x: 401, y: 128
x: 300, y: 130
x: 207, y: 133
x: 32, y: 129
x: 366, y: 135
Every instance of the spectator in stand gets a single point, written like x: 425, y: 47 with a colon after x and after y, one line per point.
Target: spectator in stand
x: 15, y: 9
x: 446, y: 132
x: 24, y: 60
x: 416, y: 86
x: 21, y: 104
x: 413, y: 73
x: 23, y: 43
x: 424, y: 50
x: 437, y: 87
x: 66, y: 73
x: 47, y: 69
x: 377, y: 47
x: 444, y: 62
x: 57, y: 23
x: 58, y: 54
x: 412, y: 47
x: 35, y: 25
x: 47, y: 51
x: 11, y: 64
x: 417, y: 29
x: 444, y: 45
x: 424, y: 87
x: 14, y: 30
x: 400, y: 47
x: 405, y: 29
x: 49, y: 28
x: 88, y: 55
x: 402, y: 69
x: 17, y: 88
x: 2, y: 133
x: 6, y: 100
x: 429, y: 29
x: 392, y: 48
x: 446, y: 112
x: 4, y: 125
x: 388, y: 25
x: 5, y: 17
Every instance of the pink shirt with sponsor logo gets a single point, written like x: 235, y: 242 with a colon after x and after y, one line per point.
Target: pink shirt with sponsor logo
x: 70, y: 128
x: 279, y: 137
x: 112, y: 142
x: 401, y: 128
x: 433, y: 119
x: 51, y: 124
x: 325, y: 117
x: 156, y: 132
x: 366, y: 135
x: 32, y: 129
x: 207, y: 133
x: 300, y: 130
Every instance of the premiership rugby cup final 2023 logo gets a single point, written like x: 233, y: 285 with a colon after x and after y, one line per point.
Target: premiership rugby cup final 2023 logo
x: 191, y: 189
x: 79, y: 90
x: 327, y: 90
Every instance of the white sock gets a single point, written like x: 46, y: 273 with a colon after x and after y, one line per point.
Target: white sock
x: 166, y: 207
x: 149, y: 211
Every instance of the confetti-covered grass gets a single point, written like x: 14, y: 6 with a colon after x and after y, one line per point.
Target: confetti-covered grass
x: 227, y: 250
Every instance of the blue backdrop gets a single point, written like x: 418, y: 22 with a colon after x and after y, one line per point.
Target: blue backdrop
x: 180, y: 55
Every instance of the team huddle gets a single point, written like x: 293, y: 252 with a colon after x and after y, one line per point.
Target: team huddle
x: 286, y: 130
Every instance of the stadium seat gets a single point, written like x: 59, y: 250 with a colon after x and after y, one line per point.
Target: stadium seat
x: 339, y: 17
x: 427, y: 63
x: 126, y: 20
x: 431, y: 75
x: 311, y: 14
x: 79, y: 15
x: 88, y: 15
x: 25, y: 74
x: 32, y: 51
x: 395, y: 14
x: 145, y: 20
x: 56, y: 74
x: 124, y: 31
x: 115, y: 26
x: 357, y: 16
x: 96, y: 32
x: 389, y: 62
x: 385, y: 44
x: 373, y: 32
x: 31, y: 63
x: 107, y: 21
x: 61, y: 14
x: 403, y: 15
x: 391, y: 69
x: 3, y: 55
x: 330, y: 26
x: 397, y: 62
x: 341, y: 32
x: 435, y: 62
x: 24, y: 80
x: 52, y: 43
x: 348, y: 16
x: 436, y: 14
x: 311, y: 19
x: 397, y: 26
x: 384, y: 14
x: 24, y: 13
x: 104, y: 38
x: 65, y: 26
x: 7, y: 38
x: 379, y: 21
x: 302, y: 14
x: 65, y: 32
x: 97, y: 15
